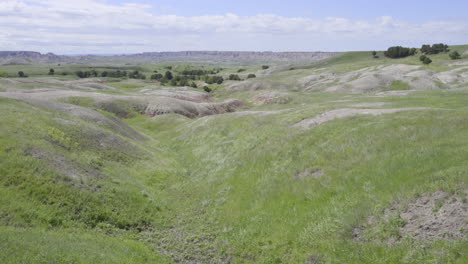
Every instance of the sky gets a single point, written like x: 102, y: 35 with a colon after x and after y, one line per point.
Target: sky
x: 134, y: 26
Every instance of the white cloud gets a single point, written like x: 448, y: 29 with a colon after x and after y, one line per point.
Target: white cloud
x: 91, y: 26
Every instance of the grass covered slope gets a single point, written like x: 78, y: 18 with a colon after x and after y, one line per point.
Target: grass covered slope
x: 243, y: 187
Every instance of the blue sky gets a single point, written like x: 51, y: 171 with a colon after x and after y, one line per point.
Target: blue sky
x: 130, y: 26
x: 409, y: 10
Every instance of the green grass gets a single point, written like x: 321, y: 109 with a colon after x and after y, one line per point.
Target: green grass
x: 398, y: 85
x: 224, y: 188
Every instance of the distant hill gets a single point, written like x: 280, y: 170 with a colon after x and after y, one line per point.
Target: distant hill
x: 28, y: 57
x: 232, y: 55
x: 31, y: 57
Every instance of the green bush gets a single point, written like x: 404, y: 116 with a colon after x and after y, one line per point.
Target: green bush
x: 454, y: 55
x: 399, y: 52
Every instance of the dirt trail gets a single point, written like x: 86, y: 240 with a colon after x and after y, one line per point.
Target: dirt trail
x: 346, y: 112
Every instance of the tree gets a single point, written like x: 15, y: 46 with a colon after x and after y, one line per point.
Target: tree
x: 422, y: 57
x: 156, y: 76
x: 234, y: 77
x: 374, y: 53
x: 426, y: 49
x: 21, y: 74
x: 168, y: 75
x: 427, y: 60
x: 399, y: 52
x: 454, y: 55
x: 265, y: 67
x: 193, y: 85
x: 434, y: 49
x: 51, y: 72
x: 207, y: 89
x: 251, y: 76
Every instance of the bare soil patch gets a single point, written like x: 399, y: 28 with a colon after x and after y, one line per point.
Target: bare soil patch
x: 347, y: 112
x: 376, y: 104
x: 271, y: 98
x: 435, y: 216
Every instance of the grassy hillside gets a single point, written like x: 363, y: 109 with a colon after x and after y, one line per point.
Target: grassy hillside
x: 247, y: 187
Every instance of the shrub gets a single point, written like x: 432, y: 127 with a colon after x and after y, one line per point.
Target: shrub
x: 168, y: 75
x: 427, y: 60
x: 136, y: 75
x: 51, y: 72
x: 234, y: 77
x: 434, y: 49
x: 251, y: 76
x: 265, y: 67
x: 156, y: 76
x: 399, y: 52
x: 240, y: 70
x: 207, y: 89
x: 3, y: 74
x: 21, y: 74
x: 454, y: 55
x: 422, y: 57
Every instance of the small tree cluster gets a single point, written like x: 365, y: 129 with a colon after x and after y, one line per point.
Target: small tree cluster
x: 156, y: 76
x: 214, y: 79
x: 198, y: 72
x: 87, y: 74
x: 434, y: 49
x: 425, y: 59
x: 136, y: 75
x: 21, y: 74
x: 454, y: 55
x: 234, y: 77
x: 399, y: 52
x: 114, y: 74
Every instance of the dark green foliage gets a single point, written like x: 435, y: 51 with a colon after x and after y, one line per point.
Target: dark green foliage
x: 136, y: 75
x: 214, y: 79
x: 207, y: 89
x: 374, y: 53
x: 21, y: 74
x: 168, y: 75
x: 454, y: 55
x: 193, y: 85
x: 156, y: 76
x: 114, y: 74
x: 168, y: 67
x: 434, y: 49
x: 264, y: 67
x: 234, y: 77
x: 240, y: 70
x: 87, y: 74
x: 198, y: 72
x: 51, y: 72
x: 399, y: 52
x: 427, y: 60
x: 251, y: 76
